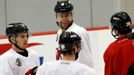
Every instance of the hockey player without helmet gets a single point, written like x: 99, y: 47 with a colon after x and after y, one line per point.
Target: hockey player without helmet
x: 68, y: 40
x: 121, y: 21
x: 63, y: 6
x: 14, y: 28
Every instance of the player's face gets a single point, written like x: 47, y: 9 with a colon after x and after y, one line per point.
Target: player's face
x: 22, y: 40
x: 64, y: 19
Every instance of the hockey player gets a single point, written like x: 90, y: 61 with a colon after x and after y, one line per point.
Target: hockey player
x: 120, y: 54
x: 18, y: 60
x: 64, y: 19
x: 70, y: 44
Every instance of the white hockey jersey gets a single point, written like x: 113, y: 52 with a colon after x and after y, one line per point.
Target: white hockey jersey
x: 12, y: 63
x: 62, y: 67
x: 85, y: 55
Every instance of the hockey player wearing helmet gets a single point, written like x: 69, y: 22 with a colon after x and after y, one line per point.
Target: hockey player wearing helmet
x: 69, y: 44
x: 119, y: 54
x: 14, y: 31
x: 64, y: 19
x: 121, y: 23
x: 18, y: 60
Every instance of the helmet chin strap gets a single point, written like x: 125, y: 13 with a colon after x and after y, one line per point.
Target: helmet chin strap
x: 19, y: 47
x: 15, y: 44
x: 76, y: 55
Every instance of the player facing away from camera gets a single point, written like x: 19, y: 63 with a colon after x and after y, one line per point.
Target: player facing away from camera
x: 64, y: 19
x: 18, y: 60
x: 69, y: 44
x: 120, y: 54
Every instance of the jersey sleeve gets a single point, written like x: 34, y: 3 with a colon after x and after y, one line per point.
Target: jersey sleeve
x: 85, y: 53
x: 110, y: 60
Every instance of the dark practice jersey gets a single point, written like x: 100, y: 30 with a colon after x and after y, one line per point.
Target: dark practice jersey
x: 119, y: 56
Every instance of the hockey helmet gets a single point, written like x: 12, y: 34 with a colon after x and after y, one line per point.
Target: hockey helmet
x: 14, y: 28
x: 63, y: 6
x: 68, y: 40
x: 121, y: 21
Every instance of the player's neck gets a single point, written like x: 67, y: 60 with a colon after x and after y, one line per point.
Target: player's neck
x: 16, y: 49
x: 69, y: 57
x: 63, y: 30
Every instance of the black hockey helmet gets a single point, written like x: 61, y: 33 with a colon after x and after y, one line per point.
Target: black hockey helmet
x: 63, y: 6
x: 13, y: 29
x: 68, y: 40
x: 120, y: 21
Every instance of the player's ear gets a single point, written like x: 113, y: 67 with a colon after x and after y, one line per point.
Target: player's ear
x: 12, y: 39
x: 77, y: 49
